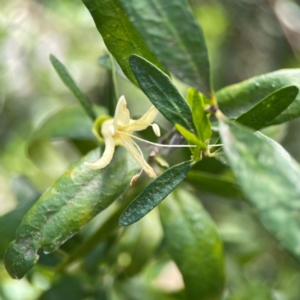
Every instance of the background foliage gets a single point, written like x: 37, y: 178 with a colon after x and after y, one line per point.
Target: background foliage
x: 244, y: 39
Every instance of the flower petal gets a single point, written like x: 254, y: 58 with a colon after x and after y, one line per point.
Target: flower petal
x: 122, y: 116
x: 136, y: 153
x: 107, y: 156
x: 144, y: 121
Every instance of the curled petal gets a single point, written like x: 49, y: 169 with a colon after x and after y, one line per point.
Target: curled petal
x: 144, y: 121
x: 136, y: 153
x: 106, y: 157
x: 122, y: 116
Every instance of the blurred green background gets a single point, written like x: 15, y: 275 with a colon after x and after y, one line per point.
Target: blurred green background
x: 245, y: 38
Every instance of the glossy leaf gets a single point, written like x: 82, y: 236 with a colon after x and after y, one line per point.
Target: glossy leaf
x: 236, y: 99
x: 194, y: 244
x: 214, y: 184
x: 72, y: 201
x: 26, y: 195
x: 70, y: 83
x: 269, y: 108
x: 119, y: 35
x: 269, y: 181
x: 200, y: 118
x: 179, y: 44
x: 154, y: 193
x: 161, y: 92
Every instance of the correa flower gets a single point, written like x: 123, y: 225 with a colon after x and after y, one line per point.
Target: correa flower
x: 118, y: 131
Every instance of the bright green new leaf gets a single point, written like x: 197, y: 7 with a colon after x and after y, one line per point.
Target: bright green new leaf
x: 269, y: 181
x: 194, y: 243
x: 120, y: 36
x: 161, y: 92
x: 200, y: 118
x: 215, y: 184
x: 179, y: 44
x: 154, y: 193
x: 236, y: 99
x: 265, y: 111
x: 72, y: 201
x: 70, y: 83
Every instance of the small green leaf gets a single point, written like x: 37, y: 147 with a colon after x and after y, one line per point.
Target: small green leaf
x: 72, y: 201
x: 236, y: 99
x: 214, y: 184
x: 154, y: 193
x: 265, y: 111
x: 179, y: 44
x: 269, y: 179
x: 161, y: 92
x: 200, y: 117
x: 119, y: 35
x: 194, y: 243
x: 70, y: 83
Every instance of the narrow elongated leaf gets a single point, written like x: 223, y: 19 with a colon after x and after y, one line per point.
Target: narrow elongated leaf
x: 179, y: 44
x: 236, y: 99
x: 154, y: 193
x: 269, y: 108
x: 161, y: 92
x: 120, y: 36
x: 215, y: 184
x: 194, y: 244
x: 200, y: 117
x: 269, y: 181
x: 72, y: 201
x: 70, y: 83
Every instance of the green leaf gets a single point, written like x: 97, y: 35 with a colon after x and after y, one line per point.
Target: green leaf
x: 215, y: 184
x: 269, y: 108
x: 154, y: 193
x: 161, y: 92
x: 236, y: 99
x: 70, y: 83
x: 179, y: 44
x: 26, y: 195
x: 105, y: 62
x: 269, y: 181
x: 200, y: 118
x: 72, y: 201
x: 193, y: 242
x: 68, y: 123
x: 119, y: 35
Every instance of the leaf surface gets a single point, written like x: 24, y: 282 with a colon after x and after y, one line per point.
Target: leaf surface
x: 172, y: 33
x: 162, y: 93
x: 236, y: 99
x: 265, y: 111
x: 154, y: 193
x: 72, y: 201
x: 194, y: 244
x: 119, y: 35
x: 269, y: 180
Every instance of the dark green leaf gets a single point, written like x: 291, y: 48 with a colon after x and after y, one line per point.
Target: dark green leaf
x: 72, y: 201
x: 215, y: 184
x: 194, y: 244
x: 154, y: 193
x: 161, y: 92
x: 179, y: 44
x: 200, y: 117
x: 120, y: 36
x: 70, y: 83
x: 269, y: 180
x: 269, y: 108
x: 236, y: 99
x: 26, y: 195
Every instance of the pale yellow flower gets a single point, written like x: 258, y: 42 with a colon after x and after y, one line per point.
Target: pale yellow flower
x: 118, y: 131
